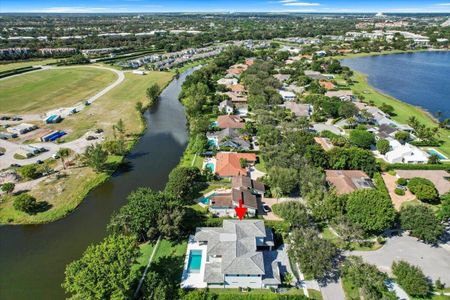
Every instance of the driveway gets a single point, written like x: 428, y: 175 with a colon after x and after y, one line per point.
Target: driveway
x: 397, y: 200
x: 333, y: 290
x: 434, y: 261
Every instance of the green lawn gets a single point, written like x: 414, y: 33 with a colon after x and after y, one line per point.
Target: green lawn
x: 403, y: 110
x: 117, y: 104
x: 28, y: 63
x: 328, y: 235
x: 146, y: 250
x: 38, y: 92
x: 315, y: 294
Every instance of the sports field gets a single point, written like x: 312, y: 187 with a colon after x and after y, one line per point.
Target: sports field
x: 40, y: 91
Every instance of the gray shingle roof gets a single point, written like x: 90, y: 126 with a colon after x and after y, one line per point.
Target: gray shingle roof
x: 236, y: 243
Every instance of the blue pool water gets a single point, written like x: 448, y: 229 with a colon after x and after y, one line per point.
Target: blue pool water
x: 195, y: 261
x: 205, y: 200
x: 214, y: 124
x: 210, y: 166
x: 432, y: 151
x: 212, y: 142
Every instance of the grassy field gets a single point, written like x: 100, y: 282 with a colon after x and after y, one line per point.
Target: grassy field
x: 403, y: 110
x: 38, y: 92
x: 117, y: 104
x: 28, y: 63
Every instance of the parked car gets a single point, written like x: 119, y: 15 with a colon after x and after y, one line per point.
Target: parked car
x: 16, y: 118
x: 5, y: 118
x: 266, y: 208
x: 98, y: 130
x: 15, y: 166
x: 39, y: 162
x: 91, y: 137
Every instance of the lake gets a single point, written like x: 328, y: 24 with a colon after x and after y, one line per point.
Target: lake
x: 421, y: 78
x: 33, y: 257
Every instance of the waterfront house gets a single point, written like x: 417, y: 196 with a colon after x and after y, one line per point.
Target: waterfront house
x: 237, y: 255
x: 228, y: 164
x: 239, y: 182
x: 347, y: 181
x: 405, y: 154
x: 229, y: 138
x: 343, y: 95
x: 230, y: 121
x: 328, y: 85
x: 223, y: 204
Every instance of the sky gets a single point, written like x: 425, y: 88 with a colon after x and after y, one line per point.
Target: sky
x: 313, y: 6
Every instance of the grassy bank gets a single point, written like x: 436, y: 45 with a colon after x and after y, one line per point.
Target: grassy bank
x: 66, y: 193
x: 63, y: 195
x: 403, y: 110
x: 365, y: 54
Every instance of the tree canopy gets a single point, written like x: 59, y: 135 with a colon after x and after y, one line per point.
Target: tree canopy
x: 411, y: 279
x: 422, y: 222
x: 105, y: 271
x: 371, y: 209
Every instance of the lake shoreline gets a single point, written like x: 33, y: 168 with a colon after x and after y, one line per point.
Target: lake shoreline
x: 403, y: 109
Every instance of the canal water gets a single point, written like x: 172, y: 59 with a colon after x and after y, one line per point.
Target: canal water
x: 33, y: 257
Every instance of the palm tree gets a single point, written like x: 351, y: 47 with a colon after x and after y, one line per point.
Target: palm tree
x: 63, y: 153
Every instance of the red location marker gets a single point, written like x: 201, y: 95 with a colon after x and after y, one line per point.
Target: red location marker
x: 240, y: 211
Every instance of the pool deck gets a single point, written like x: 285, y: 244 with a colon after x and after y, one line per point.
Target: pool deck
x: 216, y: 191
x: 194, y: 280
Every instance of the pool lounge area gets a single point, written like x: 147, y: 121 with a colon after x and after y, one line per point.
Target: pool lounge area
x: 194, y: 265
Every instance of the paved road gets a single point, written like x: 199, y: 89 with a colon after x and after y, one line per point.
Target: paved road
x: 333, y: 291
x: 434, y: 261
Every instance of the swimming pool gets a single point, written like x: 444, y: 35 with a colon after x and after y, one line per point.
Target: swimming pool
x: 214, y: 124
x: 212, y: 142
x: 211, y: 166
x: 195, y: 261
x: 438, y: 154
x: 205, y: 199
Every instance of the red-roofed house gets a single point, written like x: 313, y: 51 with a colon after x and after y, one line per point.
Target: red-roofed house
x: 228, y: 164
x: 230, y: 121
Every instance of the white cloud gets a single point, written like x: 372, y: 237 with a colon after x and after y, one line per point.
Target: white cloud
x: 443, y: 4
x: 287, y: 1
x: 294, y: 3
